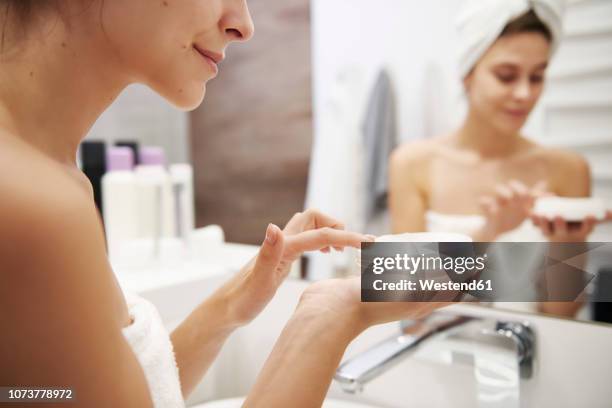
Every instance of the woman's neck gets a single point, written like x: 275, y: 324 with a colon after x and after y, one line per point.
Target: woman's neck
x: 488, y: 141
x: 54, y: 87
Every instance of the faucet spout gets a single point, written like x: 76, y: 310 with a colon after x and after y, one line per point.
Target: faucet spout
x: 356, y: 372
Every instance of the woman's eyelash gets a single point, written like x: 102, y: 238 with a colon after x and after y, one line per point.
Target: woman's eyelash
x: 512, y: 78
x: 506, y: 78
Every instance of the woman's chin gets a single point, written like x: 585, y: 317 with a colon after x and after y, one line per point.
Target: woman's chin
x: 188, y: 98
x: 510, y: 126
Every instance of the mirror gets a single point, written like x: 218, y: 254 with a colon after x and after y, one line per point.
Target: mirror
x: 387, y: 79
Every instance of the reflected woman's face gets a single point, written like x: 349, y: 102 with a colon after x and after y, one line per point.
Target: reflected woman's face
x: 174, y: 46
x: 507, y: 82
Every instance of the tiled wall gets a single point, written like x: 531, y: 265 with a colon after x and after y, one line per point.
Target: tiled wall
x: 576, y: 110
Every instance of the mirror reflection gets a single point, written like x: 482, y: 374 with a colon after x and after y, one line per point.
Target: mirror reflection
x: 488, y: 119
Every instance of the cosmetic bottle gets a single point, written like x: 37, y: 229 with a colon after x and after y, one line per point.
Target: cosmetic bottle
x: 119, y: 199
x: 156, y: 201
x: 133, y: 145
x: 181, y: 176
x: 93, y: 164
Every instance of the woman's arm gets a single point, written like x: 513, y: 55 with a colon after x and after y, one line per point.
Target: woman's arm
x: 407, y: 201
x: 299, y: 370
x: 198, y: 340
x: 329, y: 316
x: 572, y: 178
x: 61, y: 310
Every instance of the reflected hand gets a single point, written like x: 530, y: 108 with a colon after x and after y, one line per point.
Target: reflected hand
x: 251, y: 290
x: 560, y: 230
x: 509, y: 207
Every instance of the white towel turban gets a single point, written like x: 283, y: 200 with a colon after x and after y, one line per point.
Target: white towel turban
x: 482, y: 22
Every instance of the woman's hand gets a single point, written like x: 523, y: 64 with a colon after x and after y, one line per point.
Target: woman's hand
x: 341, y: 299
x: 560, y: 230
x: 508, y: 208
x: 251, y: 290
x: 329, y: 316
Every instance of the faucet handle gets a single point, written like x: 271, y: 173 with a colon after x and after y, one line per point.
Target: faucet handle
x: 523, y: 337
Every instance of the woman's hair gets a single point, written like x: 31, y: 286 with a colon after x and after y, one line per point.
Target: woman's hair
x: 528, y: 23
x: 18, y: 14
x: 21, y: 9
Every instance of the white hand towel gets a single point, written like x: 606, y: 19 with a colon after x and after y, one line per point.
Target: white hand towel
x: 150, y: 342
x: 482, y: 22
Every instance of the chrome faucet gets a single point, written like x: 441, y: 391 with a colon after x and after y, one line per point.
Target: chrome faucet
x: 353, y: 374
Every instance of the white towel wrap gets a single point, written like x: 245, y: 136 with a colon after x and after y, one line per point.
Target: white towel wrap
x: 151, y: 343
x: 482, y: 21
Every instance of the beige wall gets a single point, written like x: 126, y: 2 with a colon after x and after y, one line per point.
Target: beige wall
x: 251, y: 138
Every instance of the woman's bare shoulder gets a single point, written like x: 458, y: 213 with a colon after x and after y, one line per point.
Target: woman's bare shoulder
x: 416, y: 152
x: 37, y: 193
x: 569, y: 172
x: 559, y: 159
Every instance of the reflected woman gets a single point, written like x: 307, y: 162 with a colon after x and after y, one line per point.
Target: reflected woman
x: 482, y: 179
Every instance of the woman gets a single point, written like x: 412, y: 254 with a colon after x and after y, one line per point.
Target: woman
x: 65, y: 322
x: 483, y: 178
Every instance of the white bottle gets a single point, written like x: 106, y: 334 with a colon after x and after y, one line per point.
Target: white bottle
x: 181, y: 176
x: 119, y: 199
x: 156, y: 200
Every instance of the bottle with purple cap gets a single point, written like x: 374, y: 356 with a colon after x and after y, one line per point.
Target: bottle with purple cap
x: 155, y: 195
x: 119, y: 198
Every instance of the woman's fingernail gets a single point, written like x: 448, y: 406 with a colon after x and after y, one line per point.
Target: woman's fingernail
x: 370, y: 238
x: 271, y: 235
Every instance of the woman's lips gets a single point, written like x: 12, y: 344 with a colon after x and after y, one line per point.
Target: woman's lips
x: 211, y: 58
x: 517, y: 113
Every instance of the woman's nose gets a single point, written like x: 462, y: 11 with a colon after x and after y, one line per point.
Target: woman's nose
x: 237, y: 23
x: 523, y: 90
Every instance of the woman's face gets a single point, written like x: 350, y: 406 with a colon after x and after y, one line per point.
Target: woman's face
x: 174, y: 46
x: 507, y: 82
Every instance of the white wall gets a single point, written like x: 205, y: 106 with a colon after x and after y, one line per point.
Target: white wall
x: 140, y: 114
x: 404, y: 36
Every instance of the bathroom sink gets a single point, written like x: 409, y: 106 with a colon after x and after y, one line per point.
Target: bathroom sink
x: 237, y: 403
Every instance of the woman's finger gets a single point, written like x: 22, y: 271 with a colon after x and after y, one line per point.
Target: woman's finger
x: 488, y: 205
x: 504, y: 194
x: 520, y: 188
x: 560, y: 227
x: 315, y: 240
x: 586, y: 227
x: 311, y: 219
x: 540, y: 189
x: 522, y: 194
x: 271, y: 251
x: 546, y: 227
